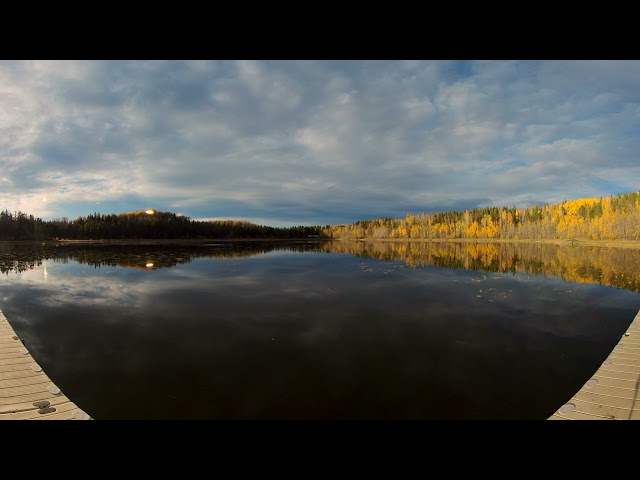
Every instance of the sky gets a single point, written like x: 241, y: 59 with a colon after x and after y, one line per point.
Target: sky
x: 317, y: 142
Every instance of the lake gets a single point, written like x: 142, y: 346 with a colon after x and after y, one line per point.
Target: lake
x: 319, y: 330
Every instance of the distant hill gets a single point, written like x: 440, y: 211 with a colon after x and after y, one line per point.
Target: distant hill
x: 140, y: 224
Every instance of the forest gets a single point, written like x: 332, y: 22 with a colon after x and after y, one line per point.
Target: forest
x: 143, y: 224
x: 610, y: 218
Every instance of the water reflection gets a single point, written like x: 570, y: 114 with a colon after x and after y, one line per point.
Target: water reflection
x: 21, y: 257
x: 613, y: 267
x: 308, y: 330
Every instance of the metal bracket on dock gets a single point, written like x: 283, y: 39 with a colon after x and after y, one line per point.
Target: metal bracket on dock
x: 43, y: 407
x: 47, y: 410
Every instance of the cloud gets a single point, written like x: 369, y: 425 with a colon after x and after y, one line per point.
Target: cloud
x: 313, y: 141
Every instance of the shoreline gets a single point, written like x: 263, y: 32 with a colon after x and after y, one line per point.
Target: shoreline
x: 200, y: 241
x: 546, y: 241
x: 159, y: 241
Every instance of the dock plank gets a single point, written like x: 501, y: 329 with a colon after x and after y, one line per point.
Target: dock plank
x: 15, y: 367
x: 65, y: 410
x: 616, y: 383
x: 628, y: 350
x: 21, y: 385
x: 613, y: 390
x: 578, y: 415
x: 28, y: 372
x: 17, y: 354
x: 23, y: 406
x: 25, y: 397
x: 16, y: 361
x: 626, y: 403
x: 12, y: 347
x: 24, y: 380
x: 619, y: 388
x: 604, y: 410
x: 11, y: 392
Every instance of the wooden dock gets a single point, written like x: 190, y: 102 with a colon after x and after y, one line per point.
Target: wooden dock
x: 612, y: 392
x: 26, y: 392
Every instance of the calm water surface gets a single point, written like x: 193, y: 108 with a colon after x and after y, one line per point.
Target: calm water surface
x: 318, y: 330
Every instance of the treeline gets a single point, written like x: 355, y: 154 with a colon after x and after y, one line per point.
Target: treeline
x: 138, y: 225
x: 610, y: 218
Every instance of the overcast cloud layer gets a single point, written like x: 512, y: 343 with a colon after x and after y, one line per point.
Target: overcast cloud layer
x: 313, y: 142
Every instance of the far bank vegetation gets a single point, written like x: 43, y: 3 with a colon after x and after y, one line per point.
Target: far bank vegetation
x: 141, y: 224
x: 609, y: 218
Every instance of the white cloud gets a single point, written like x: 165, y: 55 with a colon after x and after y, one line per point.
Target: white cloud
x: 270, y: 139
